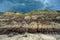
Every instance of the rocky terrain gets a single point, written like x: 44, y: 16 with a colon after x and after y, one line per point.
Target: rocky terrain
x: 45, y: 22
x: 29, y: 36
x: 34, y: 21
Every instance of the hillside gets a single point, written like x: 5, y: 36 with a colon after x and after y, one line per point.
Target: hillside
x: 34, y: 21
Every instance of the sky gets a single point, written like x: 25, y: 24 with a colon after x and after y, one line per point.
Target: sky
x: 28, y: 5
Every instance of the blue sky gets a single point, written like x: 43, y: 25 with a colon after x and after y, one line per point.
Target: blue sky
x: 28, y: 5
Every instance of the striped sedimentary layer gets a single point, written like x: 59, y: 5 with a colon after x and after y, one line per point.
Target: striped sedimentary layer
x: 31, y: 22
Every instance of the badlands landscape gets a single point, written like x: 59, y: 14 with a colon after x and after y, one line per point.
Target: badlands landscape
x: 34, y: 25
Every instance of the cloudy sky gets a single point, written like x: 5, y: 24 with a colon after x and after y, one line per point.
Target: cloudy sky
x: 28, y: 5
